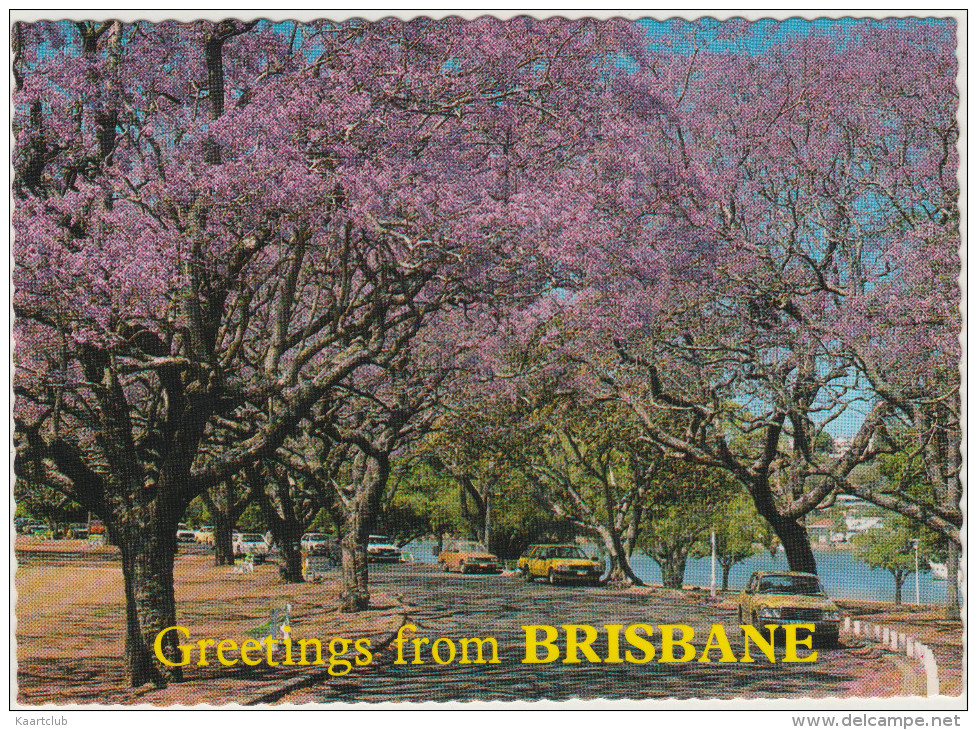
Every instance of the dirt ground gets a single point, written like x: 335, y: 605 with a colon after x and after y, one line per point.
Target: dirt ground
x: 71, y: 618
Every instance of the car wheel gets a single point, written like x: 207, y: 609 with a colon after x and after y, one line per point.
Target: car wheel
x: 739, y: 615
x: 462, y: 568
x: 528, y: 576
x: 444, y: 567
x: 552, y: 578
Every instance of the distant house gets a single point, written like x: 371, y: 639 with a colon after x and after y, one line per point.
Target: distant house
x: 861, y: 524
x: 820, y: 531
x: 850, y: 500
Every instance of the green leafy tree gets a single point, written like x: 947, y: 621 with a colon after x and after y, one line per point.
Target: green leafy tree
x: 685, y: 501
x: 739, y: 533
x: 891, y: 547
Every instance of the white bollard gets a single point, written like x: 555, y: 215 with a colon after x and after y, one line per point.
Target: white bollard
x: 932, y: 677
x: 894, y: 640
x: 885, y: 636
x: 856, y: 627
x: 878, y: 632
x: 910, y: 646
x: 847, y: 625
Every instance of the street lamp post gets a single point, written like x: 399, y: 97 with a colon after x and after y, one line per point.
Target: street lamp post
x: 712, y: 540
x: 916, y: 551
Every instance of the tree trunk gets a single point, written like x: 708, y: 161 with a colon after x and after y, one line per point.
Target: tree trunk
x: 952, y: 586
x: 899, y: 579
x: 727, y: 567
x: 356, y: 593
x: 225, y: 506
x: 791, y: 533
x: 286, y: 527
x: 797, y: 545
x: 223, y: 540
x: 290, y: 570
x: 620, y: 566
x: 359, y: 516
x: 148, y: 548
x: 673, y: 569
x: 487, y: 541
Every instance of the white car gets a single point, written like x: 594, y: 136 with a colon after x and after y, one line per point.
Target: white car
x: 250, y: 542
x: 313, y: 540
x: 205, y: 535
x: 380, y: 549
x: 185, y: 536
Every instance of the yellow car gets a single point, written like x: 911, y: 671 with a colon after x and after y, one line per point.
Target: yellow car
x: 468, y: 557
x: 522, y: 565
x: 559, y: 564
x: 773, y: 597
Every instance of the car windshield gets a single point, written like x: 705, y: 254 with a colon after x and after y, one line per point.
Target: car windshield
x: 566, y: 552
x: 316, y: 536
x: 798, y: 585
x: 252, y: 538
x: 379, y: 538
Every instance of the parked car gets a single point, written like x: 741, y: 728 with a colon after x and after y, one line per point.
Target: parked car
x: 204, y: 534
x: 522, y: 565
x: 773, y: 597
x: 316, y: 541
x: 186, y: 537
x: 250, y: 542
x: 561, y: 564
x: 78, y: 531
x: 468, y: 557
x: 35, y: 526
x: 96, y: 527
x: 321, y: 552
x: 379, y: 549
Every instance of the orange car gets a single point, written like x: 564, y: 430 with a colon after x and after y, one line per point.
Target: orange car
x: 468, y: 557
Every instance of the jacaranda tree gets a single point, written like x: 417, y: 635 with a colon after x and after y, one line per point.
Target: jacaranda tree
x: 784, y: 260
x: 217, y: 223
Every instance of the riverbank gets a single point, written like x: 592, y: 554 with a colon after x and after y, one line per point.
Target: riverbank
x: 71, y: 626
x: 842, y: 575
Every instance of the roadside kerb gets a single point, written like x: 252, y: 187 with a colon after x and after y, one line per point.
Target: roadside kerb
x: 891, y: 640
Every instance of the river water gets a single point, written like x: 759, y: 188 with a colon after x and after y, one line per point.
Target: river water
x: 841, y: 574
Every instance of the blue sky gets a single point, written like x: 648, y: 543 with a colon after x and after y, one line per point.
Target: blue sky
x: 769, y: 32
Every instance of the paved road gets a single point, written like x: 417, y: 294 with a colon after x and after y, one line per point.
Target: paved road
x: 456, y: 606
